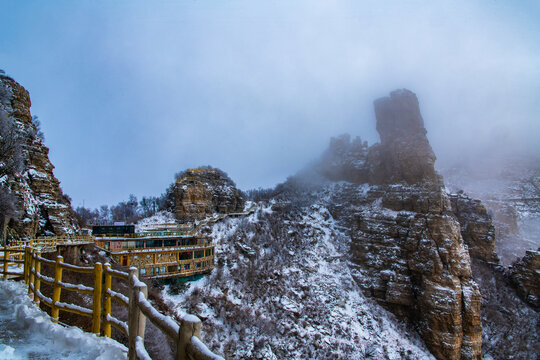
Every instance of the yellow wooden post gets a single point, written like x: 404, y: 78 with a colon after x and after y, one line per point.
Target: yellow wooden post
x: 107, y: 301
x: 96, y: 309
x: 6, y: 255
x: 37, y: 281
x: 57, y: 289
x: 136, y: 319
x: 26, y: 263
x: 31, y: 272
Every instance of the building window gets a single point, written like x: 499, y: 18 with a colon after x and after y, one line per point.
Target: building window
x: 198, y: 265
x: 186, y: 267
x: 162, y: 270
x: 170, y: 242
x: 143, y: 271
x: 185, y: 255
x: 148, y: 256
x: 179, y: 268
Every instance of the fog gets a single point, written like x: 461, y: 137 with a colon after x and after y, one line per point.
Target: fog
x: 129, y: 94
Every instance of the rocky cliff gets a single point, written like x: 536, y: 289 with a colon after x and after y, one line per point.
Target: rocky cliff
x: 40, y: 206
x: 202, y: 192
x: 407, y: 242
x: 525, y: 276
x: 476, y: 227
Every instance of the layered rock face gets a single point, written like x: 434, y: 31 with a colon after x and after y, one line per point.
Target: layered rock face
x: 476, y: 227
x: 41, y: 206
x: 525, y: 275
x: 406, y: 240
x: 203, y: 192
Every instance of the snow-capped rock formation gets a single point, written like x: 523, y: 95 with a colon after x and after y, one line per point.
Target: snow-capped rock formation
x: 406, y: 240
x: 41, y: 207
x: 476, y: 227
x: 202, y: 192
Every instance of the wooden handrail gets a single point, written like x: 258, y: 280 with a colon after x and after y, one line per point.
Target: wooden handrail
x: 186, y: 334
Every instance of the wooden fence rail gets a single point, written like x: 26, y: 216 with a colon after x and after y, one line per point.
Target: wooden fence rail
x: 186, y: 335
x: 11, y: 257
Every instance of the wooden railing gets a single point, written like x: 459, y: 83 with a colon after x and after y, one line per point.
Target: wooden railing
x: 51, y: 242
x: 34, y: 278
x: 186, y: 335
x: 11, y: 257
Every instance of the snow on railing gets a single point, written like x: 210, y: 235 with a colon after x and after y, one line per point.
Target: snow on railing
x: 11, y: 257
x: 33, y: 277
x: 51, y: 242
x: 186, y: 335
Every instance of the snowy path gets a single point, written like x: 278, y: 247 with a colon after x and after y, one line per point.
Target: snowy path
x: 27, y: 332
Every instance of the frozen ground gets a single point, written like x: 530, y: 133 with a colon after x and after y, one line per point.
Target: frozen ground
x: 27, y: 332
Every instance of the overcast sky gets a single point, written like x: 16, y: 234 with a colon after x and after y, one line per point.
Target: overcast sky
x: 131, y: 92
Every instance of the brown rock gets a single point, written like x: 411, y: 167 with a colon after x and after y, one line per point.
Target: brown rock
x: 203, y: 192
x: 476, y: 227
x: 42, y: 207
x: 407, y: 241
x: 525, y: 275
x: 404, y: 153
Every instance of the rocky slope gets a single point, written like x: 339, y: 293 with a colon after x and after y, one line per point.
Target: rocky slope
x: 283, y: 288
x: 202, y: 192
x: 41, y: 207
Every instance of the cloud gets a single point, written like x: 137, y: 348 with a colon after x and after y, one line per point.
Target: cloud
x: 257, y: 89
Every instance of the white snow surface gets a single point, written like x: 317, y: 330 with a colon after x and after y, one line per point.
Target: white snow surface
x: 298, y: 298
x: 161, y: 217
x: 26, y: 332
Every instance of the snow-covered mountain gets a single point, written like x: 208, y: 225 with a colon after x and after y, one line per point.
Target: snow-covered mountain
x: 366, y: 254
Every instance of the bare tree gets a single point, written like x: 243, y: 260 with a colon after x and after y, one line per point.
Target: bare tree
x: 11, y: 160
x: 104, y: 212
x: 8, y: 210
x: 37, y: 124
